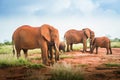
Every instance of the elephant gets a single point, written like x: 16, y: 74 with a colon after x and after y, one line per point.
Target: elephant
x: 62, y: 46
x: 103, y: 42
x: 27, y: 37
x: 73, y: 36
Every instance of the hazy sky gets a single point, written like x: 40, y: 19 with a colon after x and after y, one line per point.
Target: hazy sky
x: 102, y: 16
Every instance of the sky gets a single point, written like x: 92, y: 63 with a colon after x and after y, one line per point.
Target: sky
x: 101, y: 16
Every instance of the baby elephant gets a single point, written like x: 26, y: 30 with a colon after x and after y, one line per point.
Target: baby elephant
x: 62, y: 46
x: 102, y: 42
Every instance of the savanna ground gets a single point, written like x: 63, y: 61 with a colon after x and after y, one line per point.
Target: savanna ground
x: 91, y: 66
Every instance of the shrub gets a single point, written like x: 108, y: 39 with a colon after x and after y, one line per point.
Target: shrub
x: 65, y: 71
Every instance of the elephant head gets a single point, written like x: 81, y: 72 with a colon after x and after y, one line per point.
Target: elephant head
x: 89, y: 34
x: 51, y: 35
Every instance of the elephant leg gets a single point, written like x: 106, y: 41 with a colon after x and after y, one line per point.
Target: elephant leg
x: 44, y: 49
x: 67, y: 47
x: 50, y: 52
x: 64, y: 49
x: 96, y: 50
x: 71, y: 47
x: 107, y: 50
x: 18, y: 52
x: 84, y: 46
x: 110, y: 50
x: 13, y: 52
x: 92, y: 49
x: 25, y: 52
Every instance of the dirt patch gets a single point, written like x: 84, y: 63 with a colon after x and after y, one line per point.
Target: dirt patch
x: 92, y: 65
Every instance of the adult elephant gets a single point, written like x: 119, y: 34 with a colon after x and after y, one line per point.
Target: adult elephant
x: 28, y: 37
x: 78, y: 36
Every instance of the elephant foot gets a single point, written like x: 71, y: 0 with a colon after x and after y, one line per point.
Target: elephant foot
x: 67, y: 51
x: 91, y: 52
x: 83, y: 51
x: 52, y: 61
x: 47, y: 63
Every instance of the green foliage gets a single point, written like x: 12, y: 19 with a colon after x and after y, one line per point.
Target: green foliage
x: 7, y: 42
x: 65, y: 71
x: 5, y: 49
x: 36, y: 66
x: 112, y: 65
x: 115, y: 40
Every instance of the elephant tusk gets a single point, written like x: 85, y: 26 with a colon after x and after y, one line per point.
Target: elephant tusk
x: 56, y: 48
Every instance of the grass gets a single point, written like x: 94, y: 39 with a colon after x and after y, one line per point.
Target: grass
x: 5, y: 49
x: 112, y: 64
x: 65, y: 71
x: 62, y: 56
x: 115, y: 44
x: 7, y: 60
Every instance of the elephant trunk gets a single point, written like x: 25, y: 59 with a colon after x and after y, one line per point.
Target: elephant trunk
x: 92, y: 37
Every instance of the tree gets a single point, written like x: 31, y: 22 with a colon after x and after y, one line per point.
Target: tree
x: 6, y: 42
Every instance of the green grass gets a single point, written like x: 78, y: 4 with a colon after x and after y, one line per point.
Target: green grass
x: 7, y: 60
x: 62, y: 56
x: 5, y: 49
x: 34, y: 51
x: 115, y: 44
x: 112, y: 64
x: 65, y: 71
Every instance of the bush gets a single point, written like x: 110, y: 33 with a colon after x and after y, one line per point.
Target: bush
x: 7, y: 42
x: 65, y: 71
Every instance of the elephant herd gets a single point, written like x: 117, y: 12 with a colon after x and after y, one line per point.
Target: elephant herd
x: 46, y: 37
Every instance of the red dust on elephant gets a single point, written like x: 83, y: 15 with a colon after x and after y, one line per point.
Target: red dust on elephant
x: 27, y: 37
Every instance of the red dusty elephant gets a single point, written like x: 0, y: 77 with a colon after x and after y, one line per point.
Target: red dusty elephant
x: 78, y: 36
x: 27, y: 37
x: 102, y: 42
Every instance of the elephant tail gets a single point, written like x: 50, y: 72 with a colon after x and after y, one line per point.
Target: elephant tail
x: 13, y: 46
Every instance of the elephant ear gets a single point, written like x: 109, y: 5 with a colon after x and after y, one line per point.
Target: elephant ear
x: 45, y: 32
x: 87, y: 32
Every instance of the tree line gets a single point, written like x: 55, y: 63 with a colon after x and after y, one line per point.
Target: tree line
x: 6, y: 42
